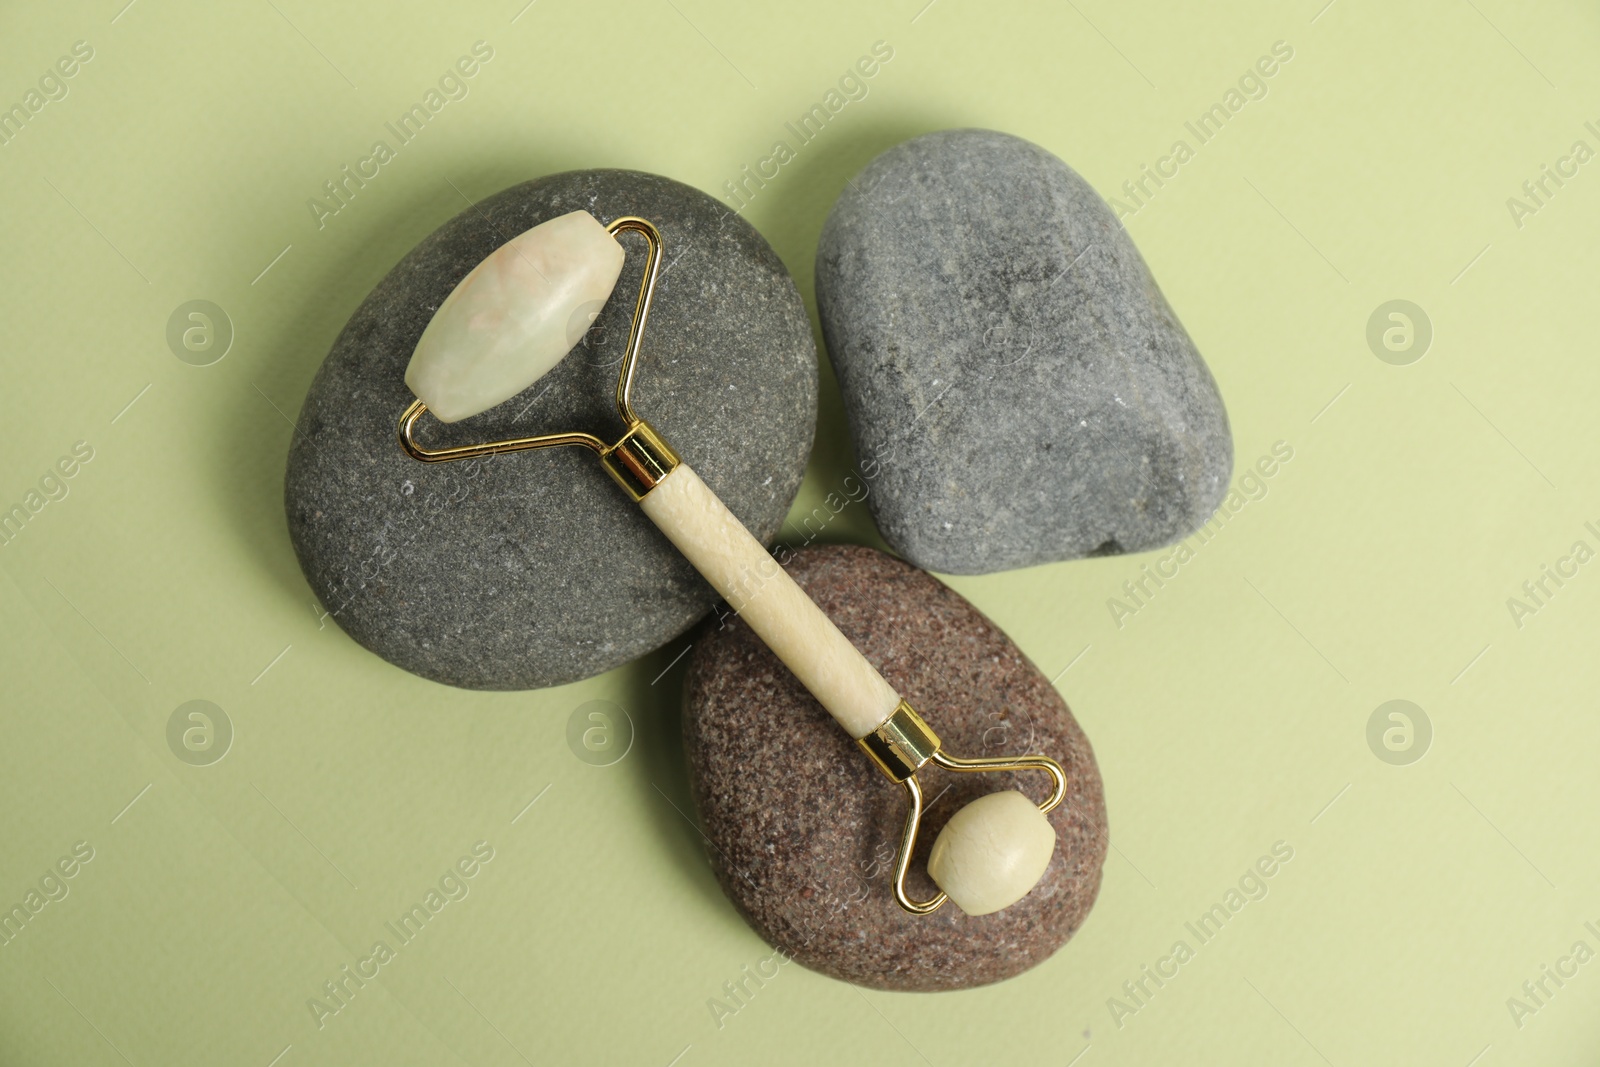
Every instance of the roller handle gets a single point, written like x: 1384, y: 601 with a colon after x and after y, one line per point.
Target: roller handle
x: 763, y: 594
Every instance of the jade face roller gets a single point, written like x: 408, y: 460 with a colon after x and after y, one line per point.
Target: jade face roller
x: 504, y: 326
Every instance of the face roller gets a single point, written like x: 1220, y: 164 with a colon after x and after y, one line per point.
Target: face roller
x: 504, y: 326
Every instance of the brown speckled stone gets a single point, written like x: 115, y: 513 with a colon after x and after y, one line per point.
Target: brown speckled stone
x: 803, y: 828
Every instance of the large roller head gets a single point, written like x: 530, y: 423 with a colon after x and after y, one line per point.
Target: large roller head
x: 514, y: 316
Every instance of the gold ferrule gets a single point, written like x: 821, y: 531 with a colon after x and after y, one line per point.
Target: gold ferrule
x: 902, y: 744
x: 640, y: 460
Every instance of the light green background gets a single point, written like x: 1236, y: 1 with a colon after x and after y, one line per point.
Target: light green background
x: 1229, y: 713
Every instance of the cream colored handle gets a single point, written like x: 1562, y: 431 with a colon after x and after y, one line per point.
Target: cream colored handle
x: 764, y: 595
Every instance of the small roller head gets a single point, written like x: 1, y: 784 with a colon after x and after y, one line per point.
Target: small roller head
x: 514, y: 316
x: 992, y: 852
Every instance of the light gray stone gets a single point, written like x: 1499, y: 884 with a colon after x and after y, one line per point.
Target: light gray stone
x: 535, y: 569
x: 1018, y: 389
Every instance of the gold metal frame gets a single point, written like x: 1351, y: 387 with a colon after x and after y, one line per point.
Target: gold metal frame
x: 902, y: 746
x: 638, y: 461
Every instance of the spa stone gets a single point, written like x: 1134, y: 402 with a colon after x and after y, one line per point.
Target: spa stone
x: 802, y: 829
x: 1018, y: 388
x: 534, y: 569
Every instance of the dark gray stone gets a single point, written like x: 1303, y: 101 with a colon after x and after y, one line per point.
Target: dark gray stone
x: 1018, y: 388
x: 534, y: 569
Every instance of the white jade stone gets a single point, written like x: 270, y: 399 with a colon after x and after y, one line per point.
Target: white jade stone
x: 992, y: 852
x: 778, y: 610
x: 514, y: 316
